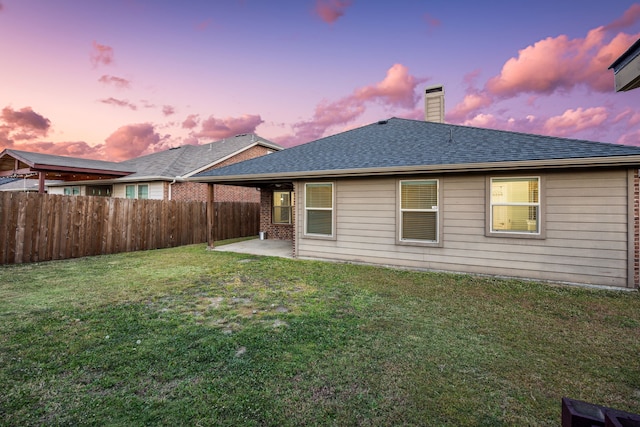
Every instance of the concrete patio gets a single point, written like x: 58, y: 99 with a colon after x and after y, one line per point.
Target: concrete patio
x: 279, y: 248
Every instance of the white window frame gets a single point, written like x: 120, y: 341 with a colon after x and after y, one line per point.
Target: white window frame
x: 331, y: 236
x: 136, y: 191
x: 437, y: 209
x: 539, y: 205
x: 73, y: 190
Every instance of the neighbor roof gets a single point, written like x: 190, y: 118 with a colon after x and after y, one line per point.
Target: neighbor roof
x: 64, y: 163
x: 189, y: 159
x: 405, y: 146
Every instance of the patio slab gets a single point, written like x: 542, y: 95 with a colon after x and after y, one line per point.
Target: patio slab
x: 279, y: 248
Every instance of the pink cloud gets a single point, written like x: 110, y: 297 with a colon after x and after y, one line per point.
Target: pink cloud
x: 101, y: 54
x: 223, y: 128
x: 552, y: 65
x: 431, y: 21
x: 203, y: 25
x: 559, y: 64
x: 191, y: 121
x: 471, y: 102
x: 330, y: 10
x: 25, y: 120
x: 632, y: 138
x: 131, y: 141
x: 483, y: 121
x: 397, y: 89
x: 326, y: 115
x: 623, y: 115
x: 572, y: 121
x: 1, y: 7
x: 18, y: 129
x: 628, y: 18
x: 119, y: 103
x: 168, y: 110
x: 118, y: 82
x: 74, y: 149
x: 471, y: 77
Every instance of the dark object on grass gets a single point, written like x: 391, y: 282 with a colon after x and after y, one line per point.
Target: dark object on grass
x: 576, y: 413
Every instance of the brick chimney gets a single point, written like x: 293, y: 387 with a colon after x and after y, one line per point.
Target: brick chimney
x: 434, y: 104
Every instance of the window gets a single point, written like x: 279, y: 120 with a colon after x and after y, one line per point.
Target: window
x: 99, y: 190
x: 419, y: 210
x: 515, y: 205
x: 137, y: 191
x: 143, y: 191
x: 72, y: 191
x: 282, y: 203
x: 319, y: 209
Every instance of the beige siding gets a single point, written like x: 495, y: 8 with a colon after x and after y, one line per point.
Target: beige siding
x: 60, y: 190
x: 55, y: 190
x: 585, y: 220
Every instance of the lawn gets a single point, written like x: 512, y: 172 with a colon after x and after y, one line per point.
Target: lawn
x: 186, y: 336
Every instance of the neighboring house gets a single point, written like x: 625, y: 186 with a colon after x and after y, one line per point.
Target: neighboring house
x: 41, y: 168
x: 159, y: 175
x: 454, y: 198
x: 627, y: 69
x: 21, y: 184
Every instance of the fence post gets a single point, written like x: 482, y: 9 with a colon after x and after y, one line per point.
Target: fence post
x: 211, y: 217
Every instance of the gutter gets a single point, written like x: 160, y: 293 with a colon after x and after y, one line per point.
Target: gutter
x: 120, y: 180
x: 170, y: 184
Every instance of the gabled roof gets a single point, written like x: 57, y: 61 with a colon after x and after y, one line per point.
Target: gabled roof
x: 52, y: 162
x: 406, y: 146
x: 186, y: 160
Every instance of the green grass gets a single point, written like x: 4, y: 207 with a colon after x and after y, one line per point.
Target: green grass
x: 186, y: 336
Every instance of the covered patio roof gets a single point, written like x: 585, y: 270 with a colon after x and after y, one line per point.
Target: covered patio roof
x: 24, y: 164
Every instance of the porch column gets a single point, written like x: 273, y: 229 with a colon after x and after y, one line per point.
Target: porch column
x: 211, y: 216
x: 41, y: 182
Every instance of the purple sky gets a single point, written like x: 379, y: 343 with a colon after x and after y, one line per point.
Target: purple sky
x: 117, y: 79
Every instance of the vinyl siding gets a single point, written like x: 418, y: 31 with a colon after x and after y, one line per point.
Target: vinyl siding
x: 585, y: 224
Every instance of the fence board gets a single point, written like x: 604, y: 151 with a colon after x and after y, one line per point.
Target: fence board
x: 42, y: 227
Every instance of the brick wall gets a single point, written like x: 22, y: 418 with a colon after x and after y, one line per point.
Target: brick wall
x: 185, y: 191
x: 274, y: 231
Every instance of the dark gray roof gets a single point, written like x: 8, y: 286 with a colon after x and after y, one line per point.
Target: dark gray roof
x: 186, y: 159
x: 403, y: 145
x: 40, y: 160
x: 4, y: 181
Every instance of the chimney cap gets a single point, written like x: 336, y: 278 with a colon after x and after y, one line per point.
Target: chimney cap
x: 434, y: 89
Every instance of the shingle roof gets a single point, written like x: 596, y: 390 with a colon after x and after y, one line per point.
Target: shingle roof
x: 402, y: 144
x: 4, y: 181
x: 41, y: 159
x: 181, y: 161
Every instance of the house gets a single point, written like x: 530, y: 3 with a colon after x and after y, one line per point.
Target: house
x: 44, y: 167
x: 22, y: 184
x: 437, y: 196
x: 159, y: 175
x: 627, y: 69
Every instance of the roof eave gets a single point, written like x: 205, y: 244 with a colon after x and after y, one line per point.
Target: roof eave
x: 123, y: 180
x: 618, y: 161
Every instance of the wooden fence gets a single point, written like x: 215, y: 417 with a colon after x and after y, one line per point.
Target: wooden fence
x: 42, y: 227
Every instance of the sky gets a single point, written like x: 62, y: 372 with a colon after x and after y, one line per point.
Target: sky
x: 112, y: 80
